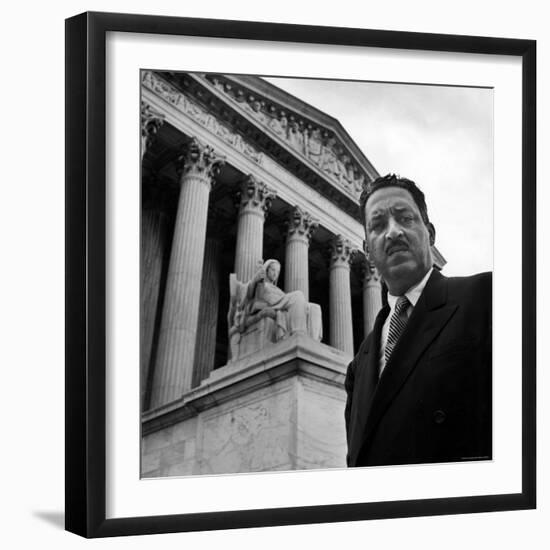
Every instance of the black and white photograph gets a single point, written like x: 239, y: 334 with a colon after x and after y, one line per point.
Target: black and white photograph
x: 316, y: 263
x: 301, y: 273
x: 275, y: 275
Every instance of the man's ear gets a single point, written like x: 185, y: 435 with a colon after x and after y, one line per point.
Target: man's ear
x: 431, y: 231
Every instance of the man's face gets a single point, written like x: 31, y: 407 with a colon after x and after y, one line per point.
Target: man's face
x: 398, y: 241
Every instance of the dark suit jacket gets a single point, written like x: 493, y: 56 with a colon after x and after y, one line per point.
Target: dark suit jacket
x: 433, y: 401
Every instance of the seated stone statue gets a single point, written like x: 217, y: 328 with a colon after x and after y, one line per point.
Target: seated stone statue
x: 261, y: 300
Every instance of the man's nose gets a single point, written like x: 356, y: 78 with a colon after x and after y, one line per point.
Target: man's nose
x: 394, y: 229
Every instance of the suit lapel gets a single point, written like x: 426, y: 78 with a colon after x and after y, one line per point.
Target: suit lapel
x: 429, y: 316
x: 366, y: 383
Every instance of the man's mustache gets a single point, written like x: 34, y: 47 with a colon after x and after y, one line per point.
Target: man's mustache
x: 396, y: 246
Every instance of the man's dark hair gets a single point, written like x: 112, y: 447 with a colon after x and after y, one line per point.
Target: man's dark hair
x: 391, y: 180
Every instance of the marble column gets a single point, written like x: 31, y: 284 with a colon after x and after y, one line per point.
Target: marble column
x: 254, y: 199
x: 208, y: 312
x: 178, y: 332
x: 151, y: 121
x: 300, y: 229
x: 341, y: 326
x: 153, y: 238
x: 372, y: 296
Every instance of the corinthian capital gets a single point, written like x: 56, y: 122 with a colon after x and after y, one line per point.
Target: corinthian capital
x: 301, y: 223
x: 254, y: 195
x: 370, y: 273
x: 151, y: 121
x: 340, y: 251
x: 200, y: 159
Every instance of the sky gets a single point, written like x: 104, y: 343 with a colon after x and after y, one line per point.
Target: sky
x: 440, y: 137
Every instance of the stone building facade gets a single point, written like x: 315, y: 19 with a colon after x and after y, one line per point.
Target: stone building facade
x: 236, y: 171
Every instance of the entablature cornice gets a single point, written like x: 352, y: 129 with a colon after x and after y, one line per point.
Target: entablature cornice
x: 247, y: 160
x: 316, y: 164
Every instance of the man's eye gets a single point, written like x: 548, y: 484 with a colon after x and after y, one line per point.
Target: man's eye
x: 376, y: 226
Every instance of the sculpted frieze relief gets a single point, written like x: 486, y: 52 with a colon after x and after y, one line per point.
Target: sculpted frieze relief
x: 194, y: 111
x: 317, y: 144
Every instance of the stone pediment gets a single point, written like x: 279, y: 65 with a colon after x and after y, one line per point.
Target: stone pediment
x: 305, y: 141
x: 308, y: 132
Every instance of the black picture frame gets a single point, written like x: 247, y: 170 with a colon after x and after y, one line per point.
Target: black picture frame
x: 86, y: 274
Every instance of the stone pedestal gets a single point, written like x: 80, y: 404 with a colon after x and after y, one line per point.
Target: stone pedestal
x: 300, y: 229
x: 279, y: 409
x: 254, y: 199
x: 341, y: 325
x: 178, y: 333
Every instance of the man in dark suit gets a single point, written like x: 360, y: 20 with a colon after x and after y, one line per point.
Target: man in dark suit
x: 419, y: 389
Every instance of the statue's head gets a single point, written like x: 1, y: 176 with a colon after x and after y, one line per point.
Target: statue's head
x: 272, y: 270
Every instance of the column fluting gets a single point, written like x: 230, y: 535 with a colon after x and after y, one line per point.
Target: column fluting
x: 372, y: 296
x: 153, y: 233
x: 178, y: 332
x: 300, y: 229
x: 254, y: 199
x: 341, y: 325
x: 208, y: 312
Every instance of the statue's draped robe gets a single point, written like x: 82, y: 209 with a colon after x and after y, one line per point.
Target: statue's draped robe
x: 267, y: 294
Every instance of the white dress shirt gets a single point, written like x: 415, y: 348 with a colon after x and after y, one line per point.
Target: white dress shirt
x: 412, y: 295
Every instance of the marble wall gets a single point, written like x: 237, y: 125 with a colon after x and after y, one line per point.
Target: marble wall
x: 294, y: 422
x: 170, y: 451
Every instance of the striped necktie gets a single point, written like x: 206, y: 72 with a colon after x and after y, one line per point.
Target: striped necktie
x: 397, y: 325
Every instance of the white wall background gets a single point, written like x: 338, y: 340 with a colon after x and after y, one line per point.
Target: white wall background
x: 32, y: 285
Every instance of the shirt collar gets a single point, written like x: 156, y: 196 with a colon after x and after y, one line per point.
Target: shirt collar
x: 413, y: 293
